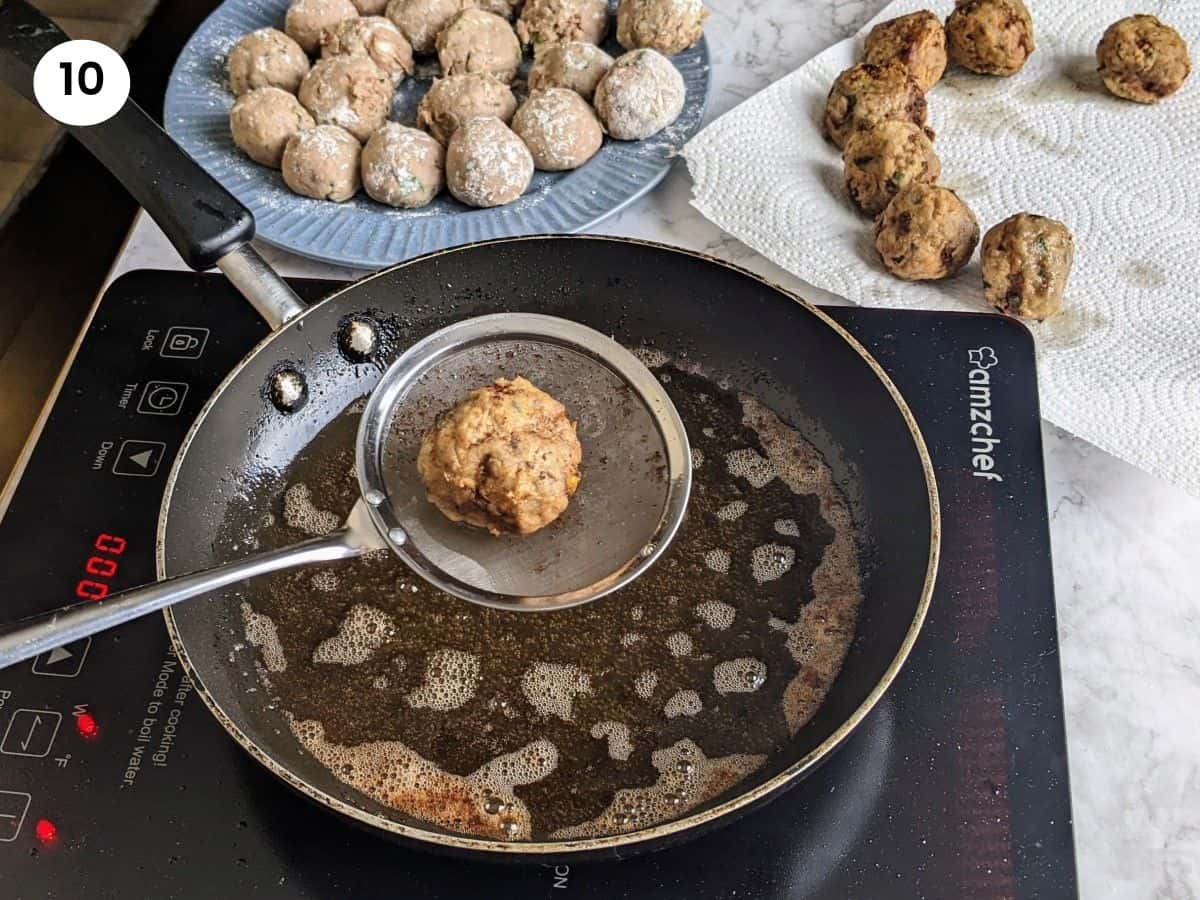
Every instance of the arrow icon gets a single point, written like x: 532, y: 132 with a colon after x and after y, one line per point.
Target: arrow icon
x: 37, y: 720
x: 143, y: 458
x: 58, y: 654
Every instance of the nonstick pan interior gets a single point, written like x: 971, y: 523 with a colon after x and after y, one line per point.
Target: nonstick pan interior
x: 735, y: 326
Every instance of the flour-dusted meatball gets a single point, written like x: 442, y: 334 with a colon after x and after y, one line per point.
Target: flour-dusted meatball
x: 640, y: 95
x: 991, y: 37
x: 349, y: 91
x: 322, y: 163
x: 486, y: 164
x: 926, y: 233
x: 376, y: 38
x: 505, y: 458
x: 1143, y: 59
x: 370, y: 7
x: 572, y: 64
x: 916, y: 41
x: 551, y: 21
x: 1026, y: 262
x: 307, y: 20
x: 452, y: 101
x: 865, y: 96
x: 266, y: 58
x: 478, y: 41
x: 668, y: 26
x: 883, y: 161
x: 263, y: 120
x: 559, y: 128
x: 402, y: 167
x: 421, y: 20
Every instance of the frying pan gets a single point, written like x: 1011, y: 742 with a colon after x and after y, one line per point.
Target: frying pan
x: 754, y: 336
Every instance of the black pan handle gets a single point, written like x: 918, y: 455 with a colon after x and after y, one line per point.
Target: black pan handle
x: 202, y: 219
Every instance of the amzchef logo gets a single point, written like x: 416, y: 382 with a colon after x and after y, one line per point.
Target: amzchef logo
x: 983, y: 429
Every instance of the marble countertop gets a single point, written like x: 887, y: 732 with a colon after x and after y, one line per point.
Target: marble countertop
x: 1126, y: 563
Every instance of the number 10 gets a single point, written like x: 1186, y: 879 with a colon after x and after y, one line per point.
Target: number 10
x: 88, y: 71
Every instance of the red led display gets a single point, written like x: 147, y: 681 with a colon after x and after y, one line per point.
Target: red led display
x: 46, y: 831
x: 101, y: 566
x: 87, y: 726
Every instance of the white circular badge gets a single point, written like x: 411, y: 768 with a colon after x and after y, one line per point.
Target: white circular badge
x: 81, y: 83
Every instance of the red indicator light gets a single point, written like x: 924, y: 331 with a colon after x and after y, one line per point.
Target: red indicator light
x: 87, y: 726
x: 46, y: 831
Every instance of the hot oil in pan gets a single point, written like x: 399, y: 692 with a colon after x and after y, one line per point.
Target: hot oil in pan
x: 593, y: 720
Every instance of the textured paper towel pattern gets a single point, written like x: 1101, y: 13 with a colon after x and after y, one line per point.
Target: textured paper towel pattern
x: 1121, y: 365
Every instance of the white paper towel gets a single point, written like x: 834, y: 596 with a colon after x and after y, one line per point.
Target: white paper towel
x: 1120, y: 366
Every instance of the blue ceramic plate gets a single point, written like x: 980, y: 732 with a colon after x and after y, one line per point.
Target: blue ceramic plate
x: 369, y: 235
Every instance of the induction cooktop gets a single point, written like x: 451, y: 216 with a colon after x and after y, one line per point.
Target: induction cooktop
x: 116, y: 782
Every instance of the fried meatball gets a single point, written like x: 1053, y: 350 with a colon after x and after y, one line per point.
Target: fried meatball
x: 668, y: 26
x: 865, y: 95
x: 505, y: 458
x: 307, y: 20
x: 640, y: 95
x: 421, y: 20
x: 478, y: 41
x: 322, y: 163
x: 402, y: 167
x: 376, y: 38
x: 486, y: 164
x: 263, y: 120
x: 991, y: 37
x: 1143, y: 59
x: 452, y: 101
x: 559, y: 128
x: 550, y: 21
x: 573, y: 65
x: 266, y: 58
x: 883, y: 161
x: 1026, y: 263
x: 916, y: 41
x: 349, y: 91
x: 926, y: 233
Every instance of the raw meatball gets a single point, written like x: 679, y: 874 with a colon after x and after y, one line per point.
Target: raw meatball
x: 667, y: 26
x: 263, y: 120
x: 573, y: 65
x: 640, y: 95
x: 1026, y: 263
x: 350, y: 91
x: 307, y: 20
x: 883, y: 161
x: 865, y: 95
x: 370, y: 7
x: 374, y: 37
x: 505, y: 458
x: 991, y: 37
x: 402, y: 166
x: 322, y: 163
x: 1143, y: 59
x: 486, y: 164
x: 926, y: 233
x: 559, y: 128
x: 451, y: 101
x: 266, y: 58
x: 916, y: 41
x: 506, y: 8
x: 550, y: 21
x: 421, y: 20
x: 478, y: 41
